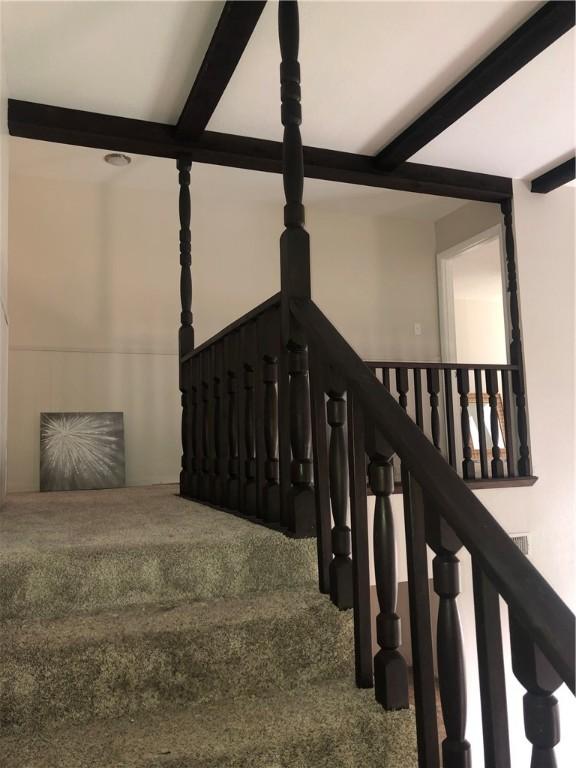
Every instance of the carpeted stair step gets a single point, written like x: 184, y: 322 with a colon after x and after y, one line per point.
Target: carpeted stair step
x: 116, y: 663
x: 330, y: 725
x: 92, y: 550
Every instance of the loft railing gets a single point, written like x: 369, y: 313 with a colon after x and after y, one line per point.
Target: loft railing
x: 469, y: 411
x: 258, y: 421
x: 281, y: 420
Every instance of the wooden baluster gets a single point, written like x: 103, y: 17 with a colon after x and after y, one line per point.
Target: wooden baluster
x: 360, y: 545
x: 233, y: 481
x: 302, y: 517
x: 206, y: 456
x: 250, y: 489
x: 421, y: 631
x: 450, y: 650
x: 511, y: 465
x: 541, y: 711
x: 402, y: 386
x: 295, y: 274
x: 386, y: 378
x: 433, y: 381
x: 516, y: 352
x: 491, y: 671
x: 492, y: 387
x: 450, y: 436
x: 390, y: 671
x: 186, y: 332
x: 216, y: 493
x: 341, y: 565
x: 480, y: 418
x: 321, y: 472
x: 418, y: 397
x: 463, y: 384
x: 271, y: 494
x: 194, y: 420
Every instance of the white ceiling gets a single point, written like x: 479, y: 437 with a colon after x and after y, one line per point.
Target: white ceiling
x: 42, y: 159
x: 368, y: 69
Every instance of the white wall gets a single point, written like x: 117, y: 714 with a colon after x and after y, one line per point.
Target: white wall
x: 3, y: 271
x: 95, y: 305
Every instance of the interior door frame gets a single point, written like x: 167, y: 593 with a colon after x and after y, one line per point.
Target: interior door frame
x: 445, y: 269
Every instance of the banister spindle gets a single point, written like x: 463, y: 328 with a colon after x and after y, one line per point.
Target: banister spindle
x: 186, y: 332
x: 295, y: 274
x: 516, y: 352
x: 390, y: 671
x: 341, y: 564
x: 250, y: 494
x: 492, y: 387
x: 216, y: 486
x: 450, y: 649
x: 205, y: 363
x: 271, y: 493
x: 479, y: 391
x: 233, y: 480
x: 402, y: 386
x: 433, y: 381
x: 463, y: 384
x: 541, y: 711
x: 418, y: 397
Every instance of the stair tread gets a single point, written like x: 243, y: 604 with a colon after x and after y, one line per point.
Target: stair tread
x: 331, y: 724
x: 117, y: 518
x: 62, y: 553
x: 114, y: 663
x: 164, y: 618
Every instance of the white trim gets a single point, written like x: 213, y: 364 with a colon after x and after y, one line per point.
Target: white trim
x: 444, y: 267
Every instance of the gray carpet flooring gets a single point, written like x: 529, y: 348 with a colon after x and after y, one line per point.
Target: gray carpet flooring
x: 140, y: 629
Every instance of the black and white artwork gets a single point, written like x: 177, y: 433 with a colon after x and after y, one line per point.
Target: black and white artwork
x: 81, y: 451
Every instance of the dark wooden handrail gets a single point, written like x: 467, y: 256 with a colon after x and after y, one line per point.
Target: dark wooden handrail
x: 443, y: 366
x: 540, y: 611
x: 273, y: 301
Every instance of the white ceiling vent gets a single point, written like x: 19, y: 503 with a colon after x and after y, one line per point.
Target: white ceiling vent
x: 522, y: 542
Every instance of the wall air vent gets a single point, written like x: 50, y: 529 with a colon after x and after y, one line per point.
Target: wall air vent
x: 522, y: 542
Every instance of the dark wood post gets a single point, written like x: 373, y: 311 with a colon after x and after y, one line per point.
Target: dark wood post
x: 433, y: 381
x: 390, y: 671
x: 492, y: 386
x: 233, y: 479
x: 516, y: 351
x: 463, y: 383
x: 451, y: 666
x: 271, y: 492
x: 295, y: 275
x: 541, y: 712
x: 341, y: 565
x: 186, y: 332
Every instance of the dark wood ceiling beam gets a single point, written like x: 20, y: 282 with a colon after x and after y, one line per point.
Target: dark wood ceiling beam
x: 233, y: 31
x: 555, y: 178
x: 542, y: 29
x: 120, y: 134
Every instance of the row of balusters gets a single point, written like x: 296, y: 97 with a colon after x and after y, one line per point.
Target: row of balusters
x: 237, y: 417
x: 436, y: 408
x: 237, y: 428
x: 351, y: 457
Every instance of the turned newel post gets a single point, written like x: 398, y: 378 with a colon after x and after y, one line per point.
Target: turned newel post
x: 186, y: 332
x: 450, y: 648
x: 516, y: 352
x: 390, y: 671
x: 541, y: 711
x: 295, y: 276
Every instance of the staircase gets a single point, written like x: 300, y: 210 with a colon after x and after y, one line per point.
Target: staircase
x: 139, y: 629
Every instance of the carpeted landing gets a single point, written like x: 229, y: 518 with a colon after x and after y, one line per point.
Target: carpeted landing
x: 142, y: 630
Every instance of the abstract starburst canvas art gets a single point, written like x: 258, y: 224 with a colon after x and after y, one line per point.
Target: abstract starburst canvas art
x: 81, y: 451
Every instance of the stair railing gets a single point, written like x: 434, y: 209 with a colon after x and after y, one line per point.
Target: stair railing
x: 443, y: 513
x: 469, y: 411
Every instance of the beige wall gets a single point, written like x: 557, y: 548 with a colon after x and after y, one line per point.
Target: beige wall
x: 466, y: 222
x: 95, y: 305
x: 3, y: 273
